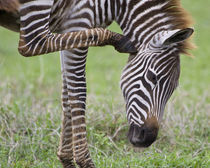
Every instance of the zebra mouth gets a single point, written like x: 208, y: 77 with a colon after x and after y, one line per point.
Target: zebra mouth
x: 143, y: 136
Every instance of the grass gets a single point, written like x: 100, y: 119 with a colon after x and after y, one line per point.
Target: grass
x: 30, y: 108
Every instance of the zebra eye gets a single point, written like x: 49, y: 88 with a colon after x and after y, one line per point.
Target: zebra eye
x: 152, y: 77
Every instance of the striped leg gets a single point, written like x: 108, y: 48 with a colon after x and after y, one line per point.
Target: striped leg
x: 75, y: 62
x: 36, y: 37
x: 65, y: 152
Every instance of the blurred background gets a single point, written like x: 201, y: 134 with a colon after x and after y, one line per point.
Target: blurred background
x: 30, y: 107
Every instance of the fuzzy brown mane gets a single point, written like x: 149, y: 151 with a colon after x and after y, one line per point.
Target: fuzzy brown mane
x: 181, y: 20
x: 9, y: 5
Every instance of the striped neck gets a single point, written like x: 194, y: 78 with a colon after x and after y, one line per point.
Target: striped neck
x: 142, y: 20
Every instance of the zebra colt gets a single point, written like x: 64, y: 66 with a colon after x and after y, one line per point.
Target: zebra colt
x: 155, y: 33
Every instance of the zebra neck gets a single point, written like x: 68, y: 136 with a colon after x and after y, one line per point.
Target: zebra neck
x: 105, y: 11
x: 140, y: 20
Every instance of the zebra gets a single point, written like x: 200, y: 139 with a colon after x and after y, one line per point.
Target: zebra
x: 160, y: 31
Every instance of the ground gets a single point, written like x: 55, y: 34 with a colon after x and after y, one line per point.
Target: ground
x: 30, y: 107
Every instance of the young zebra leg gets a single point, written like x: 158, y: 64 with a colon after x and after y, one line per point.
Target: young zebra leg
x: 75, y: 61
x: 36, y: 38
x: 65, y: 152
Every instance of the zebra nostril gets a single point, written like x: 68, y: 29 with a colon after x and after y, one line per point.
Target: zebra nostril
x: 142, y: 133
x: 144, y: 136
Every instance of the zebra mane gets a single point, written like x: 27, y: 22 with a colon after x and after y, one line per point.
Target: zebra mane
x: 181, y: 20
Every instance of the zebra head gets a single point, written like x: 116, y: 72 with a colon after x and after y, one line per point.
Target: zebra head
x: 148, y: 81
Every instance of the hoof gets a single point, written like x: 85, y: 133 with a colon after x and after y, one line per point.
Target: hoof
x: 66, y: 161
x: 123, y: 45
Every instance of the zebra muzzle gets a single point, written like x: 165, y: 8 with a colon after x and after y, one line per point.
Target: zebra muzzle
x: 145, y: 135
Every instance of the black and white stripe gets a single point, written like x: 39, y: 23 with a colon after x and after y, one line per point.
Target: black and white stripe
x: 148, y: 79
x: 150, y: 76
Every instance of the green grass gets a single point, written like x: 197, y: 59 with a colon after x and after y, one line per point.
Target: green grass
x: 30, y: 108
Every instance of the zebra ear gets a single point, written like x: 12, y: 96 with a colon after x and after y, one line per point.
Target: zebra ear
x: 176, y: 36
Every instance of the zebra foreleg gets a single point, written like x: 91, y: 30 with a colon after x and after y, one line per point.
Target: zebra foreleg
x: 75, y: 61
x: 65, y: 152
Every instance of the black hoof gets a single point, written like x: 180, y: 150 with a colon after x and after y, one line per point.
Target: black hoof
x: 123, y: 45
